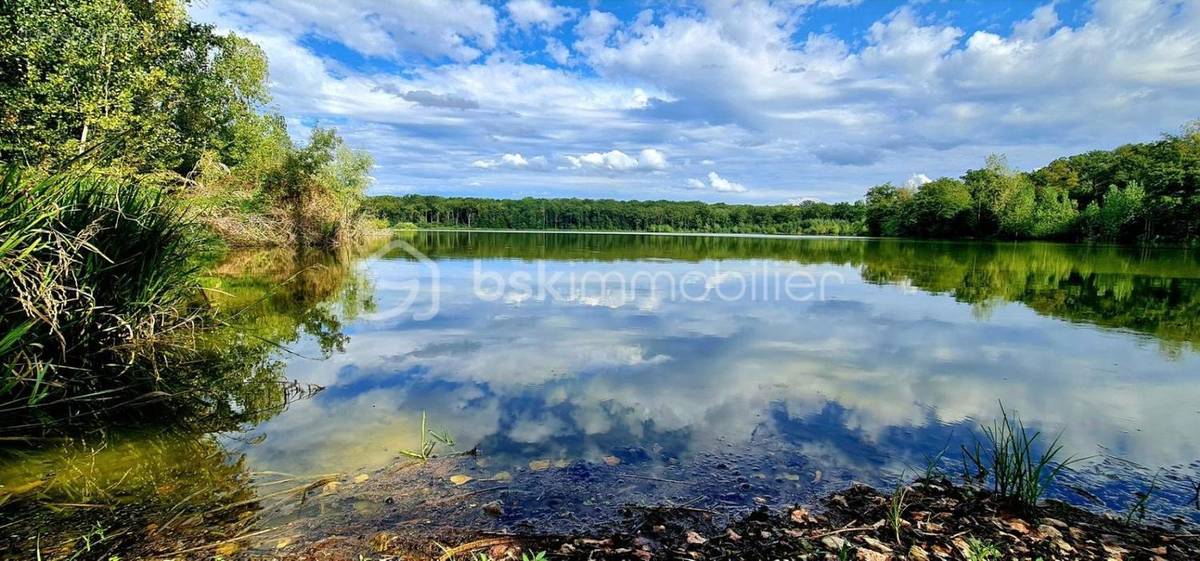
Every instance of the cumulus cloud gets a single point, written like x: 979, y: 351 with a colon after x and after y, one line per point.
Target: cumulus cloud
x: 917, y: 180
x: 797, y: 201
x: 558, y: 51
x: 616, y: 160
x: 716, y: 183
x: 511, y: 161
x: 538, y: 13
x: 724, y: 185
x: 652, y: 159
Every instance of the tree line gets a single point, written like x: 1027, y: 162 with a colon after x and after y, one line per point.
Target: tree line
x: 1137, y: 193
x: 610, y: 215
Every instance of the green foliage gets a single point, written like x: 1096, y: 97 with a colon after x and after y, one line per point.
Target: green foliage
x: 939, y: 209
x: 609, y: 215
x: 136, y: 89
x: 979, y: 550
x: 884, y: 209
x: 1150, y: 195
x: 100, y: 309
x: 895, y: 512
x: 1137, y: 193
x: 1138, y: 508
x: 1119, y: 217
x: 429, y: 440
x: 137, y: 77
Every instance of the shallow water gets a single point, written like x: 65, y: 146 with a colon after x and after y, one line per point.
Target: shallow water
x: 753, y: 370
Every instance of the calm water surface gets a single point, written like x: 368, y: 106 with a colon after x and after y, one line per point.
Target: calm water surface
x: 778, y: 368
x: 907, y: 348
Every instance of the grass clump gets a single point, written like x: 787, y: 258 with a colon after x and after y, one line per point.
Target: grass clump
x: 1019, y: 471
x: 895, y: 512
x: 979, y: 550
x: 101, y: 308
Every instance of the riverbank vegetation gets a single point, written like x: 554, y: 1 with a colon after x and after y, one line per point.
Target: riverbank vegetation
x: 136, y: 144
x: 1138, y: 193
x: 137, y: 91
x: 103, y: 311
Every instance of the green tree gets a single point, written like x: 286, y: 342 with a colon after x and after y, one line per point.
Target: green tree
x: 135, y: 77
x: 941, y: 208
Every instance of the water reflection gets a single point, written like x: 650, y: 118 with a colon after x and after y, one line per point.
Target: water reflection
x: 161, y: 486
x: 901, y: 360
x: 749, y: 400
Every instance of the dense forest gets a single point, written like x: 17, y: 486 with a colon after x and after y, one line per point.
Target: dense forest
x: 1138, y: 193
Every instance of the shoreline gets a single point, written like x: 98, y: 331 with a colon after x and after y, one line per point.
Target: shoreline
x: 1183, y: 247
x: 938, y: 520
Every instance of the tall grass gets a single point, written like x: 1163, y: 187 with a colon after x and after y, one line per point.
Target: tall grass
x: 101, y: 308
x: 1020, y: 470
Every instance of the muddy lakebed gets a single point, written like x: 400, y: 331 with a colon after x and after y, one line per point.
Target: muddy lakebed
x: 557, y: 380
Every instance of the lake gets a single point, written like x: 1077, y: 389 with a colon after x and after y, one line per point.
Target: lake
x: 591, y: 371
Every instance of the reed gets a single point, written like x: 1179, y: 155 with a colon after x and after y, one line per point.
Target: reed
x: 1019, y: 471
x: 101, y: 309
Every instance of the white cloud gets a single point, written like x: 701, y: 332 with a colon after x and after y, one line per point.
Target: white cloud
x: 716, y: 183
x: 917, y: 180
x: 616, y: 160
x: 652, y: 159
x: 797, y: 201
x: 460, y: 30
x: 557, y: 51
x: 511, y: 161
x: 540, y: 13
x: 724, y: 185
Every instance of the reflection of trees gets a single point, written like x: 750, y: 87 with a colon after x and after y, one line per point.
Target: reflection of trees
x: 126, y: 489
x: 1155, y: 292
x: 279, y: 295
x: 119, y: 492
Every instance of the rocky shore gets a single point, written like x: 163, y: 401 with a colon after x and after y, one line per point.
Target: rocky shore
x: 934, y: 520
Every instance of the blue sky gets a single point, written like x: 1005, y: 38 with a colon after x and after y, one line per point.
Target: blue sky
x: 753, y: 101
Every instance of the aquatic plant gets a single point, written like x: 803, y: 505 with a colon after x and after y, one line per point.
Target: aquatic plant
x: 1138, y: 508
x: 895, y: 512
x: 429, y: 440
x: 1018, y: 471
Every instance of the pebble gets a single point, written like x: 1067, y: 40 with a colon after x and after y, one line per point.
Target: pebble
x: 494, y: 508
x: 833, y: 543
x: 1046, y: 531
x: 864, y: 554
